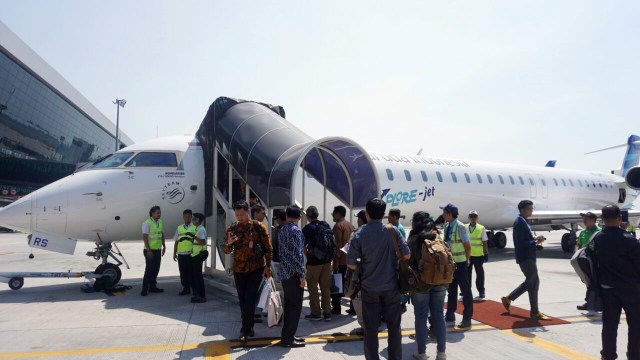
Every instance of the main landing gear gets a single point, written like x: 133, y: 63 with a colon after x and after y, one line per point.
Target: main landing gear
x: 497, y: 240
x: 110, y: 272
x: 569, y: 241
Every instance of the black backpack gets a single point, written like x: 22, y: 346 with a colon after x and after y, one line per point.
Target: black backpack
x: 324, y: 249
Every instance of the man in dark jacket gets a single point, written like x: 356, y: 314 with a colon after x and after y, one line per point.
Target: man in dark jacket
x: 618, y: 269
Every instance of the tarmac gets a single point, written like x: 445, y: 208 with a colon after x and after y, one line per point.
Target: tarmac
x: 53, y: 318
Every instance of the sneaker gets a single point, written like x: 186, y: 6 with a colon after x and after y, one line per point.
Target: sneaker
x: 312, y: 317
x: 464, y: 324
x: 420, y: 356
x: 449, y: 317
x: 506, y: 302
x: 327, y: 317
x: 441, y: 355
x: 582, y: 307
x: 540, y: 316
x: 481, y: 296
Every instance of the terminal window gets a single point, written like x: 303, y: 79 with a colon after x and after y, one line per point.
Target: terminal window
x: 153, y: 159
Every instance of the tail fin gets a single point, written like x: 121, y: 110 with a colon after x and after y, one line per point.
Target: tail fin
x: 551, y: 163
x: 631, y: 158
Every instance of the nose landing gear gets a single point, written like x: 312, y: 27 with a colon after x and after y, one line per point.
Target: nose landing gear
x: 110, y: 272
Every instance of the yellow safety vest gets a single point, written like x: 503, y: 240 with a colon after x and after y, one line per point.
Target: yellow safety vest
x: 457, y: 247
x: 185, y: 246
x: 155, y: 234
x: 631, y: 229
x: 197, y: 247
x: 475, y: 238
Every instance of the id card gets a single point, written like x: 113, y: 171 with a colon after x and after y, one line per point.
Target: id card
x: 251, y: 244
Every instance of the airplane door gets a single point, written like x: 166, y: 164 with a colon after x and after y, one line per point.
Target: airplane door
x: 544, y: 187
x: 532, y: 186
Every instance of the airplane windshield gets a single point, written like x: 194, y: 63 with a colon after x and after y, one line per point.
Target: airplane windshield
x: 113, y: 160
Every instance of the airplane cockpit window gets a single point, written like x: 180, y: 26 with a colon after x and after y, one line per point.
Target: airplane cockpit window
x: 407, y: 175
x: 490, y: 179
x: 479, y: 178
x: 424, y: 176
x: 439, y: 176
x: 466, y: 176
x: 454, y: 177
x: 153, y: 159
x: 111, y: 161
x: 501, y: 179
x: 389, y: 174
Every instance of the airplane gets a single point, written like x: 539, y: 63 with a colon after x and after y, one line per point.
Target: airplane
x: 107, y: 201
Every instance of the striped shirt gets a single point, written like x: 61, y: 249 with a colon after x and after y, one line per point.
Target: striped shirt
x: 291, y: 247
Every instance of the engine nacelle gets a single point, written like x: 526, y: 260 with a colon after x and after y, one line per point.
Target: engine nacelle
x: 633, y: 178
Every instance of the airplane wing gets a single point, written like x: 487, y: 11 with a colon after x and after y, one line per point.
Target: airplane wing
x: 569, y: 216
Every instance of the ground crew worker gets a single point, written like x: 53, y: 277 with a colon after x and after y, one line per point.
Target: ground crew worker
x: 479, y: 251
x: 590, y: 229
x: 154, y: 249
x: 199, y: 244
x: 182, y: 250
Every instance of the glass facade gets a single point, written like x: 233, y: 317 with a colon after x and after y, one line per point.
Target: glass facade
x: 42, y: 136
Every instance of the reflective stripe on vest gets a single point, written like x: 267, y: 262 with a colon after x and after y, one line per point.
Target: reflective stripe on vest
x: 475, y: 238
x: 197, y: 247
x: 155, y: 234
x: 185, y: 246
x: 457, y: 247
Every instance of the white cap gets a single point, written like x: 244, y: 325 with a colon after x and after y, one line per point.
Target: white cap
x: 473, y: 212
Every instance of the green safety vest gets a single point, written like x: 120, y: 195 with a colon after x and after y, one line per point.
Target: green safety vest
x: 185, y: 246
x: 631, y: 229
x: 475, y: 238
x: 155, y: 234
x: 197, y: 247
x: 457, y: 247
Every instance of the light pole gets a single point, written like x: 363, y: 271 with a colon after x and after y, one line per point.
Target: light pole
x: 119, y: 103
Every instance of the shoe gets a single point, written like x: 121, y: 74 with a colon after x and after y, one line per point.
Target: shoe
x: 155, y: 290
x: 412, y: 336
x: 506, y: 302
x: 481, y: 296
x: 420, y: 356
x: 464, y: 324
x: 441, y: 355
x: 357, y: 331
x: 582, y: 307
x: 312, y: 317
x: 327, y: 317
x: 449, y: 317
x: 298, y: 339
x: 540, y: 316
x: 351, y: 312
x: 198, y: 300
x: 184, y: 292
x: 244, y: 337
x: 293, y: 344
x: 336, y: 311
x: 144, y: 292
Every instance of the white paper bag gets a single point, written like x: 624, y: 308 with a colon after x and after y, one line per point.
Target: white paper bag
x: 274, y: 305
x: 264, y: 295
x: 336, y: 284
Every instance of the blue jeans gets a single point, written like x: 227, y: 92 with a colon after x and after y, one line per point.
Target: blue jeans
x: 425, y: 304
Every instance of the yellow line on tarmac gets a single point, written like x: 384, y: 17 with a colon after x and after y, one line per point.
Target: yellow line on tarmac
x: 547, y: 345
x: 23, y: 355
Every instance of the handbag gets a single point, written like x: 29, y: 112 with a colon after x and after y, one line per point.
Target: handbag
x: 274, y: 305
x: 264, y: 291
x: 407, y: 277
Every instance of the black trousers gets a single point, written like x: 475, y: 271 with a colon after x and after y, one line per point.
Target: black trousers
x: 293, y: 295
x: 530, y: 284
x: 373, y: 303
x: 336, y: 299
x: 247, y: 285
x: 477, y: 263
x: 197, y: 281
x: 614, y: 300
x: 151, y: 269
x: 461, y: 279
x: 184, y: 265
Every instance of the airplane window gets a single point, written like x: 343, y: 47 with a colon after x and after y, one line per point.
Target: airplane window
x: 454, y: 177
x: 424, y: 176
x: 531, y: 182
x: 511, y: 180
x: 439, y: 176
x: 521, y: 180
x: 153, y: 159
x: 390, y: 174
x: 593, y: 183
x: 479, y: 178
x: 555, y: 181
x: 599, y: 183
x: 466, y: 176
x: 570, y: 182
x: 580, y: 182
x: 407, y: 175
x: 544, y: 183
x: 586, y: 183
x: 113, y: 160
x: 564, y: 183
x: 490, y: 179
x: 501, y: 179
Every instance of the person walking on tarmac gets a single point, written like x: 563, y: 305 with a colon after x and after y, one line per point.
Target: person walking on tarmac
x: 458, y: 239
x: 182, y: 250
x: 197, y: 259
x: 590, y: 229
x: 479, y: 251
x: 154, y: 249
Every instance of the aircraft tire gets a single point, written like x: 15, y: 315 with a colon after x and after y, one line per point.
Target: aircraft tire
x: 566, y: 243
x: 500, y: 240
x: 110, y: 270
x: 16, y: 283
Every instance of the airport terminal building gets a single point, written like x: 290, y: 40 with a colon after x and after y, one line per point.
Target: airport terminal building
x: 47, y: 128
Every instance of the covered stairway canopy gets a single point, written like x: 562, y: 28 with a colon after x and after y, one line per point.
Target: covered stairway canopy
x: 267, y: 151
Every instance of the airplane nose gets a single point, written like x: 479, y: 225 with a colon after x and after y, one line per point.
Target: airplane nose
x: 17, y: 215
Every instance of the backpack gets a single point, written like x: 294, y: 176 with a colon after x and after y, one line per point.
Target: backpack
x: 407, y: 277
x: 436, y: 265
x: 324, y: 249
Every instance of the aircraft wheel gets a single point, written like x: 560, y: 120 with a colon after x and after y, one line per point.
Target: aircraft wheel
x: 111, y: 273
x: 567, y: 243
x: 500, y: 240
x: 15, y: 283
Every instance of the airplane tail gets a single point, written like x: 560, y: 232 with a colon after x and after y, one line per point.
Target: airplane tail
x: 631, y: 157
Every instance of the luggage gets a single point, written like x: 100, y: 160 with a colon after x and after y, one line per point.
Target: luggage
x: 436, y: 265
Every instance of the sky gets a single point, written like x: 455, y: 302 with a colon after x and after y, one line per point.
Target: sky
x: 506, y: 81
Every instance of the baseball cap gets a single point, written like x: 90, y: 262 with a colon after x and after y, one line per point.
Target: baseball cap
x: 450, y: 208
x: 361, y: 215
x: 473, y: 212
x: 610, y: 212
x: 312, y: 211
x: 589, y: 215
